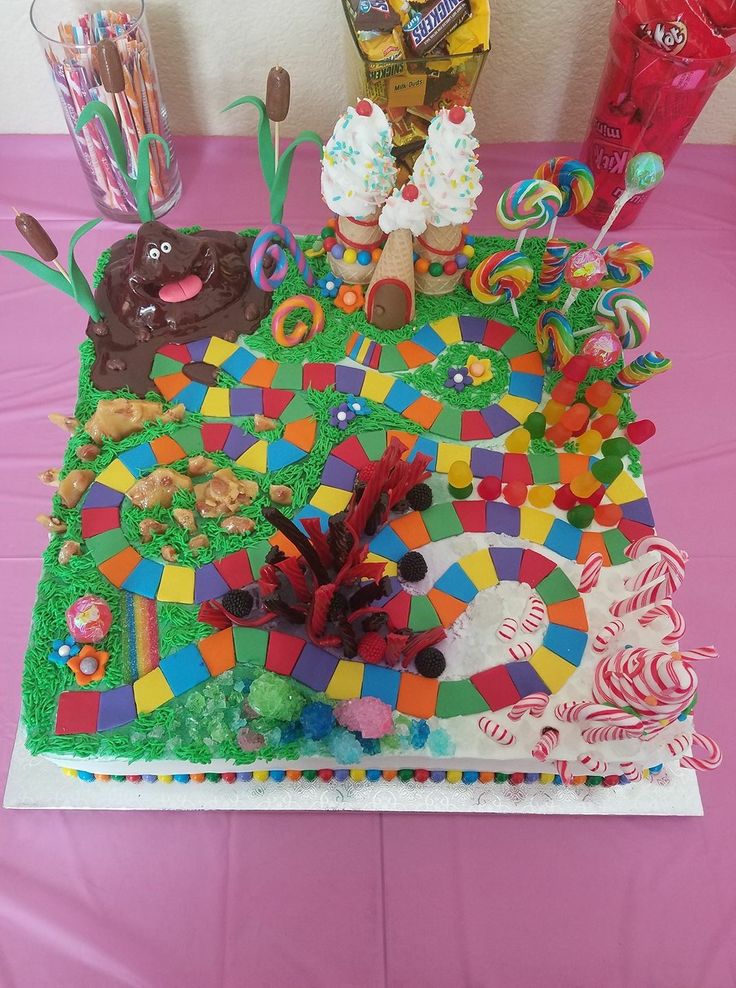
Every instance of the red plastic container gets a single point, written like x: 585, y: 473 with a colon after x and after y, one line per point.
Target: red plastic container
x: 648, y: 100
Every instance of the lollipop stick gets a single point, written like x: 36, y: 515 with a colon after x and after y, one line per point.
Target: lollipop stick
x: 552, y: 228
x: 275, y: 145
x: 617, y: 207
x: 585, y: 332
x: 520, y: 241
x: 574, y: 292
x: 514, y: 308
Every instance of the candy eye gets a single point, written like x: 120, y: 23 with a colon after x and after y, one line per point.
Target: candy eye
x: 166, y: 247
x: 154, y: 253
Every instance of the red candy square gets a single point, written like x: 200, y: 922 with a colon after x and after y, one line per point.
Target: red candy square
x: 496, y: 687
x: 77, y: 713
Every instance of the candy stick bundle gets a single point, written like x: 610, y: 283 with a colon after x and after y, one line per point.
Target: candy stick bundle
x: 120, y: 74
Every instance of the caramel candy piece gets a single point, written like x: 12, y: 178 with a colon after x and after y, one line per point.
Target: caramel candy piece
x: 168, y: 554
x: 158, y: 488
x: 50, y: 477
x: 150, y: 527
x: 280, y: 494
x: 73, y: 486
x: 185, y: 519
x: 36, y: 237
x: 199, y: 466
x: 224, y: 494
x: 52, y: 524
x: 262, y: 423
x: 69, y: 549
x: 237, y: 525
x: 116, y: 418
x: 110, y: 66
x: 278, y: 93
x: 88, y: 452
x: 198, y: 542
x: 66, y: 422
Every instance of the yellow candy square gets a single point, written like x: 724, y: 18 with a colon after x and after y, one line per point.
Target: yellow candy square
x: 151, y: 691
x: 363, y: 350
x: 448, y: 329
x: 177, y: 585
x: 218, y: 351
x: 535, y: 525
x: 346, y: 681
x: 447, y: 454
x: 255, y: 457
x: 391, y: 568
x: 376, y: 386
x: 330, y: 499
x: 624, y: 489
x: 116, y: 476
x: 216, y: 403
x: 479, y: 567
x: 553, y: 670
x: 520, y: 408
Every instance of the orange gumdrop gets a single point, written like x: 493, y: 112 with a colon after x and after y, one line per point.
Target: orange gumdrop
x: 575, y: 417
x: 553, y: 412
x: 606, y: 425
x: 564, y: 391
x: 608, y: 515
x: 558, y: 434
x: 598, y: 393
x: 584, y: 484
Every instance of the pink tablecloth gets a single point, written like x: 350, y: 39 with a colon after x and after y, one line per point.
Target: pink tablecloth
x: 224, y: 899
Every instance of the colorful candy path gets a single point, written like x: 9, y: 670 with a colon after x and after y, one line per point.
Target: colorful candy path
x: 267, y: 387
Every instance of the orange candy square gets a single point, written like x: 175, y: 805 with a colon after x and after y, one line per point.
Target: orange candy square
x: 417, y: 695
x: 218, y: 651
x: 118, y: 568
x: 167, y: 450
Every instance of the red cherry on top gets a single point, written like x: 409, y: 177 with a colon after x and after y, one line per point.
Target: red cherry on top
x: 410, y: 192
x: 364, y: 108
x: 456, y: 115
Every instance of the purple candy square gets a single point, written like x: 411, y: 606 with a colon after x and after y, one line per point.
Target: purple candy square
x: 349, y: 380
x: 117, y: 707
x: 208, y: 584
x: 502, y: 518
x: 486, y: 463
x: 395, y: 587
x: 246, y: 401
x: 498, y: 419
x: 507, y: 562
x: 314, y: 667
x: 100, y: 496
x: 526, y: 679
x: 472, y: 329
x: 640, y: 511
x: 237, y: 443
x: 198, y: 348
x: 339, y: 474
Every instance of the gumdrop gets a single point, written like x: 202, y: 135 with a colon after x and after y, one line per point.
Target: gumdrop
x: 606, y: 425
x: 541, y: 496
x: 607, y: 469
x: 490, y: 488
x: 581, y: 515
x: 535, y: 425
x: 576, y: 368
x: 590, y: 442
x: 564, y: 498
x: 620, y: 446
x: 638, y: 432
x: 514, y: 493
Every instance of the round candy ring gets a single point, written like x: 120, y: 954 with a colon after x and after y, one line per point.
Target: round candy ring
x: 301, y: 332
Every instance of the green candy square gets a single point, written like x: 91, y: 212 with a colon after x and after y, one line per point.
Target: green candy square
x: 457, y: 698
x: 545, y: 469
x: 616, y: 542
x: 391, y: 361
x: 189, y: 438
x: 422, y: 616
x: 448, y: 423
x: 288, y: 377
x: 298, y: 408
x: 556, y: 587
x: 106, y: 545
x: 374, y: 443
x: 442, y: 522
x: 257, y: 556
x: 517, y: 346
x: 164, y: 365
x: 251, y: 645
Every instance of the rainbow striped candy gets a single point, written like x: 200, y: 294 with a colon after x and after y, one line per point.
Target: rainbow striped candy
x: 627, y: 263
x: 574, y: 180
x: 642, y: 368
x: 552, y: 275
x: 501, y: 277
x: 528, y: 205
x: 554, y: 338
x: 269, y: 243
x: 623, y: 314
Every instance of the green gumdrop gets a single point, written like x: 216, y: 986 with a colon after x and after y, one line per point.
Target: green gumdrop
x: 581, y: 515
x: 274, y: 697
x: 607, y: 469
x: 618, y: 447
x: 536, y: 425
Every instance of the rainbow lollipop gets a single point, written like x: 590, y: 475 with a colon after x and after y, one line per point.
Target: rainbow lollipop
x: 554, y: 338
x: 620, y: 311
x: 528, y: 205
x: 643, y: 172
x: 585, y: 269
x: 552, y: 275
x: 641, y: 369
x: 628, y: 263
x: 574, y: 180
x: 502, y: 277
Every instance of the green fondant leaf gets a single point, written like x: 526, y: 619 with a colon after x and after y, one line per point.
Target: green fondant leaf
x: 141, y: 185
x: 32, y: 264
x: 265, y: 143
x: 98, y: 109
x: 280, y: 186
x: 81, y: 291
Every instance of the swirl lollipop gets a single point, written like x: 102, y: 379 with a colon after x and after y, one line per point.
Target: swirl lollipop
x: 603, y: 348
x: 621, y: 312
x: 268, y: 244
x: 574, y: 180
x: 643, y: 172
x: 628, y: 263
x: 585, y: 269
x: 528, y: 205
x: 641, y: 369
x: 502, y: 277
x: 554, y: 338
x: 552, y: 275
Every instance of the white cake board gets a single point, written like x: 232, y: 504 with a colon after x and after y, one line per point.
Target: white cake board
x: 36, y: 784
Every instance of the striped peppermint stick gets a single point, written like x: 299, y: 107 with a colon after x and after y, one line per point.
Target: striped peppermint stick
x: 594, y: 735
x: 496, y: 732
x: 666, y: 610
x: 587, y: 710
x: 564, y: 771
x: 632, y: 773
x: 591, y: 572
x: 534, y: 614
x: 657, y: 685
x: 508, y: 629
x: 534, y: 704
x: 697, y: 654
x: 651, y: 594
x: 523, y: 650
x: 649, y: 575
x: 547, y: 743
x: 679, y: 744
x: 604, y: 638
x: 594, y: 764
x: 674, y: 558
x: 712, y: 758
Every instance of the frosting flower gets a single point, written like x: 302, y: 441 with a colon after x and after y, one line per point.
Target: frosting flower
x: 89, y: 665
x: 458, y: 378
x: 480, y: 369
x: 349, y: 298
x: 328, y: 285
x: 341, y: 416
x: 357, y: 406
x: 63, y: 649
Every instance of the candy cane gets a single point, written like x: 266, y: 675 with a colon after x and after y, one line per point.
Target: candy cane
x: 547, y: 743
x: 679, y: 744
x: 521, y: 651
x: 657, y: 685
x: 665, y: 609
x: 674, y: 558
x: 595, y: 765
x: 604, y: 638
x: 595, y: 735
x: 654, y: 572
x: 564, y: 772
x: 534, y: 614
x: 712, y: 759
x: 651, y: 594
x: 591, y: 573
x: 496, y: 732
x: 534, y: 704
x: 697, y: 654
x: 587, y: 710
x: 264, y: 246
x: 632, y: 773
x: 508, y: 629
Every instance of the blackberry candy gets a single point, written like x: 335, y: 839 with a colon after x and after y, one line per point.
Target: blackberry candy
x: 430, y: 662
x: 238, y: 602
x: 420, y: 497
x: 412, y: 567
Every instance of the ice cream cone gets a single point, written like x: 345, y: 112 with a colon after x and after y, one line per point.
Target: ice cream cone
x: 389, y: 300
x: 438, y: 244
x: 358, y: 234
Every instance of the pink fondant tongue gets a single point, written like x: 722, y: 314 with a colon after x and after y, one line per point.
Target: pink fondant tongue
x: 182, y: 290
